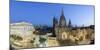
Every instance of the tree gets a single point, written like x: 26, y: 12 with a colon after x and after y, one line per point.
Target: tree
x: 16, y: 37
x: 42, y: 40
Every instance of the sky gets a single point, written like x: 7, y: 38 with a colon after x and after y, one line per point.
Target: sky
x: 43, y: 13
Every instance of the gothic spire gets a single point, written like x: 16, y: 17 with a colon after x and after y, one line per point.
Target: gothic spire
x: 69, y: 24
x: 62, y: 21
x: 62, y: 13
x: 55, y: 24
x: 55, y: 20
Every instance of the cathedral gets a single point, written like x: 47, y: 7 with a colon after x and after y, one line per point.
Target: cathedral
x: 66, y: 34
x: 61, y: 28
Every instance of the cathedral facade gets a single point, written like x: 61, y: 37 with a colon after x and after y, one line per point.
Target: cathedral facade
x: 66, y: 34
x: 61, y: 28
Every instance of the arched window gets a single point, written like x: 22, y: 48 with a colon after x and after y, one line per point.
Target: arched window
x: 64, y: 35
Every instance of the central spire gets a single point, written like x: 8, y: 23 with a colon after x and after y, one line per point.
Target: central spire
x: 62, y: 21
x: 62, y: 13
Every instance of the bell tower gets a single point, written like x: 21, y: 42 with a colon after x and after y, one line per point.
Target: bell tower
x: 55, y: 25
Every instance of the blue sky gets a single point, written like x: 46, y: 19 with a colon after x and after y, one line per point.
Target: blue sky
x: 43, y: 13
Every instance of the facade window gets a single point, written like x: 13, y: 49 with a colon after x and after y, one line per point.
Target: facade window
x: 64, y: 36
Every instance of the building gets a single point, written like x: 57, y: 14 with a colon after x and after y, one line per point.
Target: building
x: 61, y: 28
x: 23, y: 29
x: 55, y: 25
x: 66, y: 34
